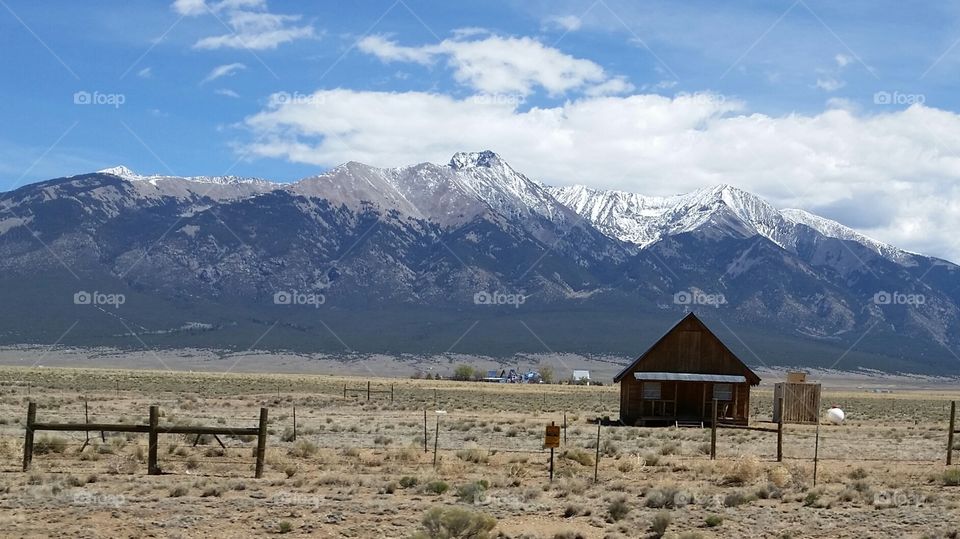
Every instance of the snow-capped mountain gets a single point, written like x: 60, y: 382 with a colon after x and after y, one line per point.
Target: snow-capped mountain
x: 645, y: 220
x: 401, y: 255
x: 216, y: 187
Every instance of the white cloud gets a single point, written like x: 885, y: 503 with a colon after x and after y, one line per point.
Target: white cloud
x: 614, y: 86
x: 843, y: 60
x: 226, y: 92
x: 830, y: 84
x: 499, y: 65
x: 568, y: 23
x: 189, y: 8
x: 225, y: 70
x: 907, y: 160
x: 251, y: 25
x: 145, y: 73
x: 389, y: 51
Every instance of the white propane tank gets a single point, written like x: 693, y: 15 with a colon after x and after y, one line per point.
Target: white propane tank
x: 835, y: 415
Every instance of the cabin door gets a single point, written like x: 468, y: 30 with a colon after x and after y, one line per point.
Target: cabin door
x: 689, y: 399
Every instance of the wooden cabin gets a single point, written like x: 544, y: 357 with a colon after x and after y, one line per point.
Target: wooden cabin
x: 680, y: 376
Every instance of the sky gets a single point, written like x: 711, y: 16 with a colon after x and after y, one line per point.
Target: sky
x: 846, y: 109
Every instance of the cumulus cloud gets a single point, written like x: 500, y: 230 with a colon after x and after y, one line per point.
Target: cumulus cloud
x: 502, y: 65
x: 252, y: 25
x: 568, y: 23
x: 225, y: 70
x: 905, y: 162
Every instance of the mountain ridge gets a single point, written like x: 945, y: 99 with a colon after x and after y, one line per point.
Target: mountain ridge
x: 401, y: 255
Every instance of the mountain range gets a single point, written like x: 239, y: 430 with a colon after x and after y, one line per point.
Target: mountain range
x: 471, y: 257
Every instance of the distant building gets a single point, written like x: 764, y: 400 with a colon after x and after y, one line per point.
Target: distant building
x: 681, y: 375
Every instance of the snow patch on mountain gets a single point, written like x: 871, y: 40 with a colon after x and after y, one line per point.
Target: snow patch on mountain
x: 723, y: 209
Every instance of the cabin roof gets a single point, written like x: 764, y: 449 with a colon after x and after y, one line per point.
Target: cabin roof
x: 689, y: 377
x: 748, y: 374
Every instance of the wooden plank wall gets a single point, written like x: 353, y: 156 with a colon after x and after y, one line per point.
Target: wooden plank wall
x: 799, y: 402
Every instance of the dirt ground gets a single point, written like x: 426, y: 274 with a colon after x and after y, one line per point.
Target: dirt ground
x: 360, y: 468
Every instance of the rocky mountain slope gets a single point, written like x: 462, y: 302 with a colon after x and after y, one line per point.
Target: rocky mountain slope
x: 467, y: 257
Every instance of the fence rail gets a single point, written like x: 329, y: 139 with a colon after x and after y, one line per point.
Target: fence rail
x: 153, y: 429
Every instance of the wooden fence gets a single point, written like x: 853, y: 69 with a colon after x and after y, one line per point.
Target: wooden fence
x: 360, y: 391
x: 153, y: 429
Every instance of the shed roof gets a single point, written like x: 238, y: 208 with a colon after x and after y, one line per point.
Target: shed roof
x: 690, y: 377
x: 749, y: 374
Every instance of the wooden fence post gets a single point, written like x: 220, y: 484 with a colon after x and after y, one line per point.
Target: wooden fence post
x: 152, y: 468
x: 28, y: 436
x: 953, y: 417
x: 86, y: 419
x: 391, y: 392
x: 596, y: 461
x: 780, y: 433
x: 261, y: 443
x: 713, y: 433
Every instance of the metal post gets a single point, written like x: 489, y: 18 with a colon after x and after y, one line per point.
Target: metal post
x: 953, y: 417
x: 152, y: 468
x: 816, y: 447
x: 294, y: 423
x: 596, y: 461
x: 425, y: 431
x: 780, y: 433
x: 564, y: 429
x: 261, y: 443
x: 391, y: 393
x: 28, y: 436
x: 86, y: 419
x: 551, y: 465
x: 368, y: 390
x: 344, y: 390
x: 713, y: 433
x: 436, y: 439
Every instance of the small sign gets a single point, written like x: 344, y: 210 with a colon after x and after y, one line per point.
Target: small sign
x: 552, y: 436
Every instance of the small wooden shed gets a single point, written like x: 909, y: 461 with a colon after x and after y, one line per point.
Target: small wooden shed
x: 678, y: 378
x: 801, y: 400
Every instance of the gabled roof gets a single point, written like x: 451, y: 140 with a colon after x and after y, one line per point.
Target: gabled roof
x: 749, y: 374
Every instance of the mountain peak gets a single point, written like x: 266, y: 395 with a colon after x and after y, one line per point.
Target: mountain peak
x: 486, y: 158
x: 118, y: 170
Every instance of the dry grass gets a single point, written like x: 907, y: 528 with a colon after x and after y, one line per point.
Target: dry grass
x: 360, y: 469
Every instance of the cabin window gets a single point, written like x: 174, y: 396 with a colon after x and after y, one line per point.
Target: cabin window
x: 723, y: 392
x: 651, y: 391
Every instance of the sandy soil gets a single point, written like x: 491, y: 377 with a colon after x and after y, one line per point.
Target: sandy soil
x: 358, y: 468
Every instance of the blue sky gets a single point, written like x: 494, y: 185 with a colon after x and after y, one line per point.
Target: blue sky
x: 830, y: 106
